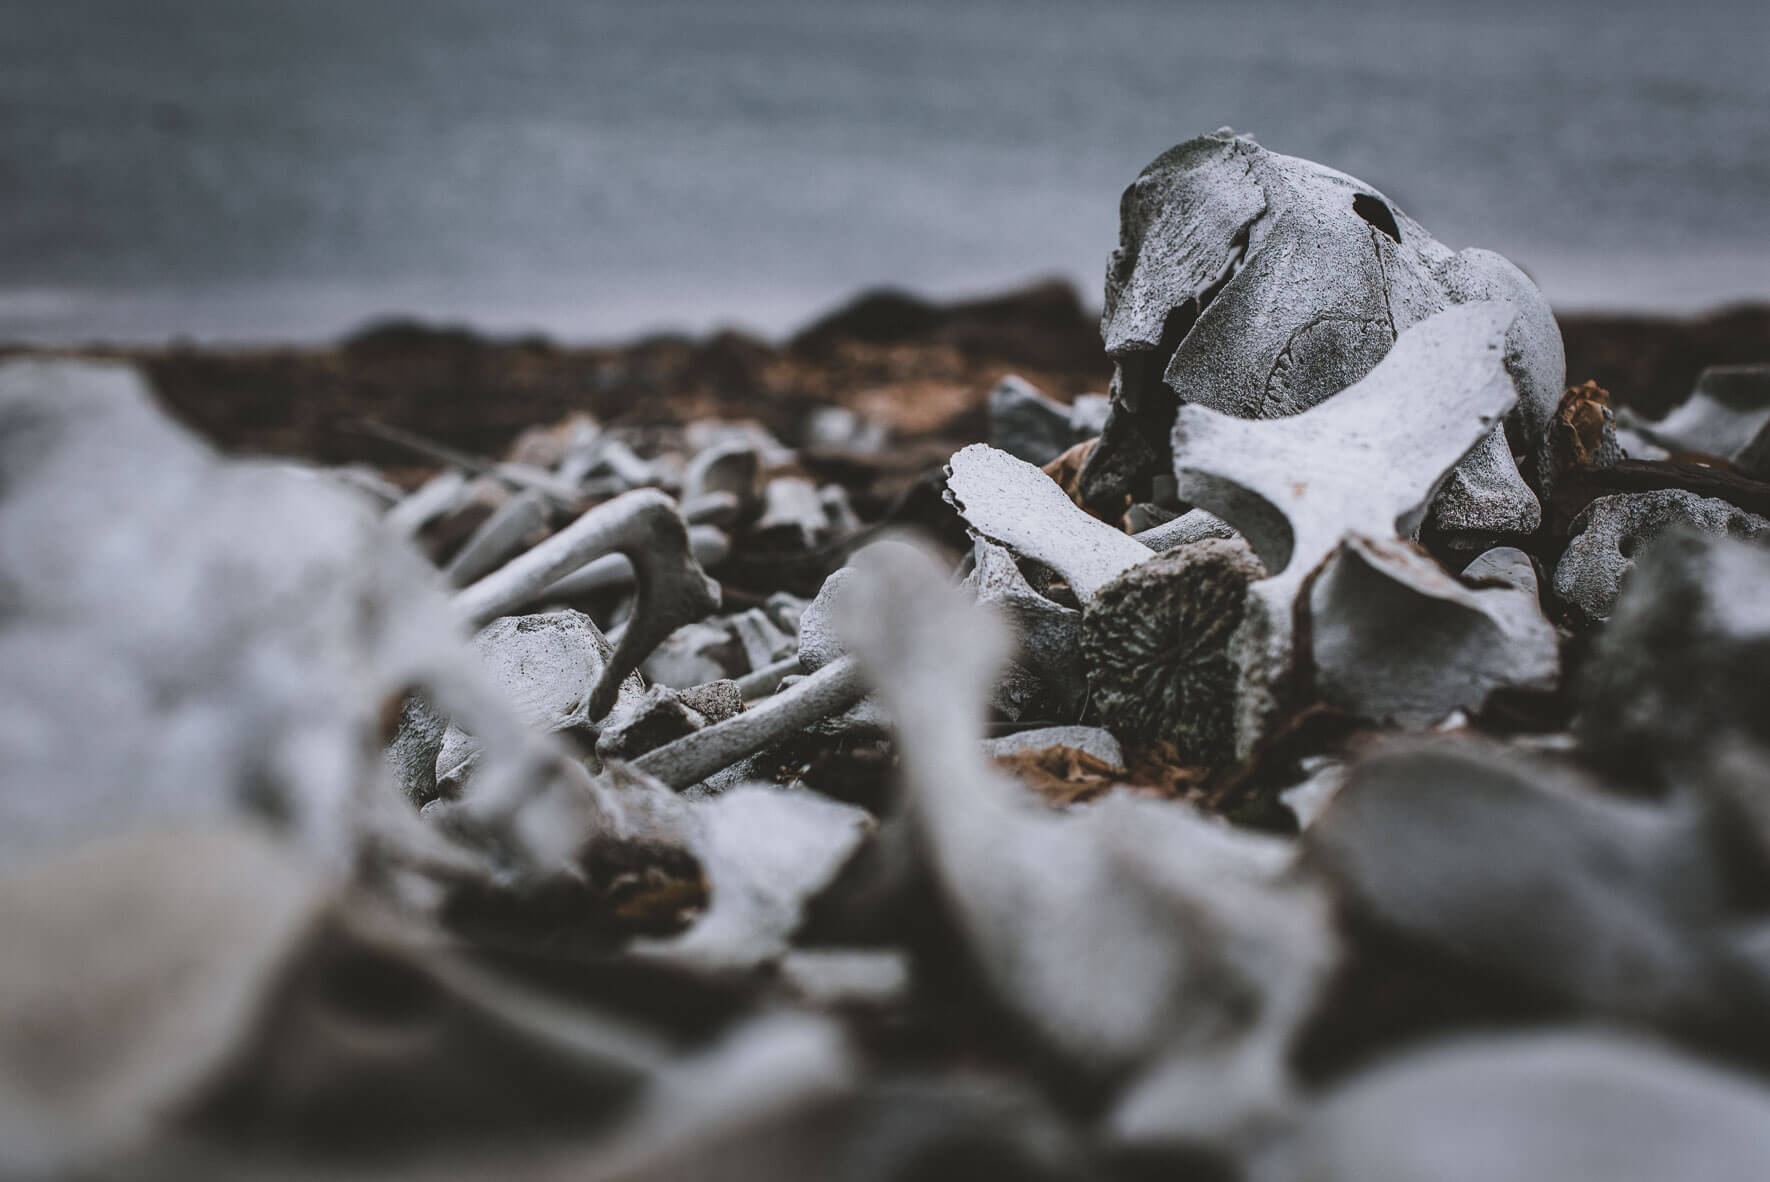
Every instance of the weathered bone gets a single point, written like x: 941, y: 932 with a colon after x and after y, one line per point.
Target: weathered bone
x: 1395, y: 638
x: 614, y: 572
x: 643, y: 525
x: 1366, y: 461
x: 1260, y: 285
x: 1014, y: 504
x: 1613, y: 531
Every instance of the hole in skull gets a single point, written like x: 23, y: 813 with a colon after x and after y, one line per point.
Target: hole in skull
x: 376, y: 990
x: 1629, y: 546
x: 1377, y: 214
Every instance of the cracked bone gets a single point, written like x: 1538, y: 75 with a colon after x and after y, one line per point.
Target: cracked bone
x: 1014, y: 504
x: 1367, y: 461
x: 1261, y: 285
x: 511, y: 527
x: 1128, y: 932
x: 1394, y: 637
x: 644, y: 526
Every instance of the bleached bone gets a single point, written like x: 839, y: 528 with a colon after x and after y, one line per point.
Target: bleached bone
x: 791, y: 507
x: 1261, y: 285
x: 643, y: 525
x: 1366, y: 461
x: 498, y: 536
x: 1014, y: 504
x: 1128, y: 932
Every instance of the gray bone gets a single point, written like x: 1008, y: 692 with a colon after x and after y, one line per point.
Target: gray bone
x: 643, y: 525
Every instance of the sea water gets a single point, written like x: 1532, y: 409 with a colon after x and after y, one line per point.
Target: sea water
x: 287, y: 169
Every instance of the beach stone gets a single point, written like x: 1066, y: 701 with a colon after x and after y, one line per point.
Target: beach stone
x: 1611, y: 533
x: 638, y: 726
x: 1560, y: 1106
x: 1261, y: 285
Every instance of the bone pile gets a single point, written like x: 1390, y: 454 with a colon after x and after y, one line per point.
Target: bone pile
x: 1339, y: 753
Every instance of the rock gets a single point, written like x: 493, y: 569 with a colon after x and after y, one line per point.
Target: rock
x: 1261, y: 285
x: 1613, y: 531
x: 1395, y: 638
x: 648, y: 722
x: 1560, y: 1106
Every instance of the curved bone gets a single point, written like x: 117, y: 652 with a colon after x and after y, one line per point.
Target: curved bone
x: 643, y: 525
x: 1366, y: 461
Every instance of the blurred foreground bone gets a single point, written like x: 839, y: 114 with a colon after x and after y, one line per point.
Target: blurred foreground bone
x: 1128, y: 933
x: 189, y: 637
x: 1262, y: 285
x: 153, y: 982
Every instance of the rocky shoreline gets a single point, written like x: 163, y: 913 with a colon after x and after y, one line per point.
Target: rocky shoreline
x: 923, y: 369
